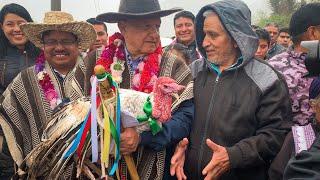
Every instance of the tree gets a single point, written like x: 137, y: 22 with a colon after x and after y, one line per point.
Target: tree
x: 281, y: 12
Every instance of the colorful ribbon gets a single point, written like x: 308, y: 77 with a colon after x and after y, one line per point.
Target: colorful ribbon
x: 147, y: 109
x: 116, y: 133
x: 94, y: 115
x: 76, y: 141
x: 110, y: 127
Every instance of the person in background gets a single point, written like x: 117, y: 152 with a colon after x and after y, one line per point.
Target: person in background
x: 303, y: 27
x: 16, y: 54
x: 16, y: 51
x: 264, y: 43
x: 182, y: 54
x: 255, y: 27
x: 185, y: 33
x: 284, y: 37
x: 275, y: 48
x: 102, y: 34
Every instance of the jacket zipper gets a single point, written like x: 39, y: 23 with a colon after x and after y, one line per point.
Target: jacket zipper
x: 3, y: 73
x: 26, y: 57
x: 203, y: 141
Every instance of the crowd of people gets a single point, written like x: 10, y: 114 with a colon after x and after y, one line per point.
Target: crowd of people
x: 249, y: 110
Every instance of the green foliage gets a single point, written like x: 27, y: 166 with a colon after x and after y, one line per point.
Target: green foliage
x: 281, y: 20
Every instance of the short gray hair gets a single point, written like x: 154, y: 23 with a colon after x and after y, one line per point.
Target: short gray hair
x: 208, y: 13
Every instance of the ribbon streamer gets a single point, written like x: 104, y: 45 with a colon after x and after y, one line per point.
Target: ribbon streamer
x: 94, y: 114
x: 76, y: 141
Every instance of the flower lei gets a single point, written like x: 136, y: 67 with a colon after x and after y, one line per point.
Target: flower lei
x: 113, y: 59
x: 45, y: 82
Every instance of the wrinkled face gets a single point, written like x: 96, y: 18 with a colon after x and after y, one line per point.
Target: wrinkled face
x: 102, y: 37
x: 185, y: 30
x: 141, y: 35
x: 284, y: 39
x: 61, y: 49
x: 220, y: 48
x: 273, y: 32
x: 262, y: 49
x: 12, y: 30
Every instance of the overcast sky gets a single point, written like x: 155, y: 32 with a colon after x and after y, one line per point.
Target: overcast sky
x: 84, y: 9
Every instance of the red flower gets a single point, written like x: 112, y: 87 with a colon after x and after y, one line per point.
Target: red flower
x: 114, y: 37
x: 105, y: 63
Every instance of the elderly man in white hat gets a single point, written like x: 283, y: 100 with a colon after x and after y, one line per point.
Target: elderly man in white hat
x: 136, y: 63
x: 28, y: 103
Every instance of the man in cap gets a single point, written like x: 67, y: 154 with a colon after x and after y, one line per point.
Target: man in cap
x: 28, y: 103
x: 303, y: 27
x: 137, y: 54
x: 241, y: 103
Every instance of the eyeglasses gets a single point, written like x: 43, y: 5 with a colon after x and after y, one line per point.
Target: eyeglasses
x: 148, y: 27
x: 63, y: 42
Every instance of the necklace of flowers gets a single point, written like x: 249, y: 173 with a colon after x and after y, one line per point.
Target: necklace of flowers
x: 113, y: 59
x: 45, y: 82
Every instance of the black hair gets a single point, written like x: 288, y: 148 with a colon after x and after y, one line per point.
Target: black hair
x: 185, y: 14
x: 255, y: 27
x: 263, y: 34
x: 284, y: 29
x: 306, y: 16
x: 93, y: 21
x: 19, y: 10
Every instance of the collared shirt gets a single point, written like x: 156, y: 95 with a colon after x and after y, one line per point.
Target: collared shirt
x: 191, y: 50
x: 291, y: 65
x: 275, y: 50
x: 216, y: 67
x: 133, y: 63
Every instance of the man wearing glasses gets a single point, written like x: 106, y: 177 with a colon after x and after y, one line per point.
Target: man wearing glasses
x: 29, y: 101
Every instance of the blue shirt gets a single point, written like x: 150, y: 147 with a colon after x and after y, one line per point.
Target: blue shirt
x: 216, y: 69
x: 133, y: 63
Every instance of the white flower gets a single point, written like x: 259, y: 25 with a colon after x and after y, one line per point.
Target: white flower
x: 40, y: 75
x: 117, y: 42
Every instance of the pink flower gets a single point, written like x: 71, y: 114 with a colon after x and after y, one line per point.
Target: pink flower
x: 140, y: 66
x: 120, y: 55
x: 51, y: 94
x: 53, y: 103
x: 136, y: 80
x: 107, y: 53
x: 153, y: 80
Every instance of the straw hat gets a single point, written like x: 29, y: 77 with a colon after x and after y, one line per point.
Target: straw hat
x: 60, y: 21
x: 132, y: 9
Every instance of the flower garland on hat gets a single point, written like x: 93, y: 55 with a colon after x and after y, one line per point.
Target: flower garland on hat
x: 113, y: 59
x: 45, y: 82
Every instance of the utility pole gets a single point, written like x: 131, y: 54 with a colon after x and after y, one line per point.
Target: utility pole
x: 55, y: 5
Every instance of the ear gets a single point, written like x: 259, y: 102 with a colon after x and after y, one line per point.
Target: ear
x: 122, y: 27
x: 235, y: 45
x: 311, y: 31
